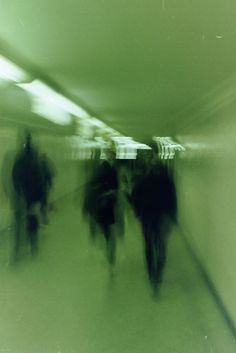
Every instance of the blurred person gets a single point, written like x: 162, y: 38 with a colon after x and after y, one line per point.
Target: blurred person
x: 29, y: 190
x: 89, y: 205
x: 6, y: 172
x: 154, y: 201
x: 101, y: 202
x: 121, y: 204
x: 107, y: 200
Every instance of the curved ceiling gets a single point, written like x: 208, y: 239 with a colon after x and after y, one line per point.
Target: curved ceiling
x: 136, y: 64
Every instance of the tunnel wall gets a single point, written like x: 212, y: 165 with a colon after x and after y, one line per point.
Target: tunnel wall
x: 206, y: 187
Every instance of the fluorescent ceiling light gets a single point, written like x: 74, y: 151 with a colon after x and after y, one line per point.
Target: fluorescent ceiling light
x: 112, y: 132
x: 50, y: 111
x: 142, y: 146
x: 52, y: 101
x: 122, y: 139
x: 40, y: 90
x: 11, y: 72
x: 96, y: 122
x: 168, y: 142
x: 126, y: 141
x: 46, y: 101
x: 167, y: 147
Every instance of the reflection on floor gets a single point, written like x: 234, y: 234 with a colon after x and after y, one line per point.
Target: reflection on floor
x: 66, y: 301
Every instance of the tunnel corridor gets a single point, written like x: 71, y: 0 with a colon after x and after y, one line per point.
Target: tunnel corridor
x: 146, y: 90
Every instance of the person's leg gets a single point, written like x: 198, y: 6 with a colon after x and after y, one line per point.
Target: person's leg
x: 18, y: 225
x: 110, y: 243
x: 19, y: 211
x: 32, y: 226
x: 92, y: 228
x: 149, y: 251
x: 161, y: 256
x: 44, y: 209
x: 164, y: 229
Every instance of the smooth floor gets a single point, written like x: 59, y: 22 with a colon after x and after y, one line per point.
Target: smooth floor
x: 67, y: 300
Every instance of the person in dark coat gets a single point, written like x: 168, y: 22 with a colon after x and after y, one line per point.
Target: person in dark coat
x: 28, y: 185
x: 154, y: 200
x: 101, y: 201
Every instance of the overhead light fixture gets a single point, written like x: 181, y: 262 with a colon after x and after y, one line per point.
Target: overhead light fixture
x: 40, y: 90
x: 127, y: 148
x: 50, y: 111
x: 11, y: 72
x: 97, y: 122
x: 46, y: 101
x: 167, y: 147
x: 128, y: 141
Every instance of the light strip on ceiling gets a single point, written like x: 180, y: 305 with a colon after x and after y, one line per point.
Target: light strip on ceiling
x: 10, y: 71
x: 40, y: 90
x: 46, y: 101
x: 167, y: 147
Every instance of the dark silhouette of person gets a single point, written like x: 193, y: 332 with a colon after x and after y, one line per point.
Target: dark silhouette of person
x: 89, y: 206
x: 28, y: 183
x: 154, y: 200
x: 101, y: 201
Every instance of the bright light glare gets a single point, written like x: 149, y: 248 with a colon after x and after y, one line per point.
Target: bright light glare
x: 126, y: 141
x: 11, y: 72
x: 50, y: 111
x: 167, y: 147
x: 39, y: 89
x: 96, y: 122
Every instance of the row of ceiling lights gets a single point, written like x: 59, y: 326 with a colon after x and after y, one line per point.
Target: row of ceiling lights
x: 56, y: 107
